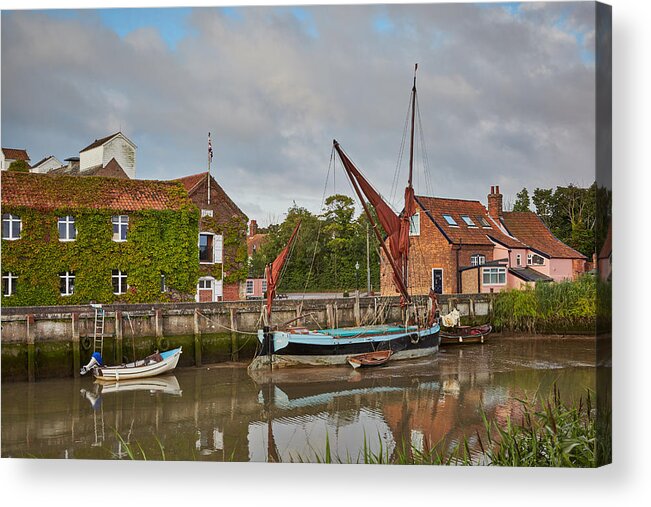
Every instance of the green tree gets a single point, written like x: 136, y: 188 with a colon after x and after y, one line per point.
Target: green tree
x: 522, y: 201
x: 20, y: 166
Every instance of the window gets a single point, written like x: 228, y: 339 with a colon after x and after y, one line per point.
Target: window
x: 67, y: 283
x: 249, y: 287
x: 210, y: 248
x: 205, y: 283
x: 264, y: 286
x: 535, y: 260
x: 206, y: 213
x: 67, y: 229
x: 468, y: 221
x: 206, y: 253
x: 9, y: 281
x: 120, y: 226
x: 163, y: 283
x: 414, y: 225
x: 477, y: 259
x: 119, y: 282
x: 518, y: 260
x: 484, y: 223
x: 450, y: 220
x: 494, y: 276
x: 11, y: 226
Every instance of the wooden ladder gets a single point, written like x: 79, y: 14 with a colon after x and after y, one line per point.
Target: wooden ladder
x: 98, y: 335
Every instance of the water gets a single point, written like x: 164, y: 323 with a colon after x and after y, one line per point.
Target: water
x: 220, y: 413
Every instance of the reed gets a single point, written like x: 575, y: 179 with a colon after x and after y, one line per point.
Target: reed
x: 568, y: 306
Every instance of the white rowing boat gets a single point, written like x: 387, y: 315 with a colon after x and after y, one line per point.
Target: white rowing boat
x: 150, y: 366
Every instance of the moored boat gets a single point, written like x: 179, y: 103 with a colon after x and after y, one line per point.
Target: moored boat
x: 377, y: 358
x: 417, y: 335
x: 465, y: 334
x: 154, y: 364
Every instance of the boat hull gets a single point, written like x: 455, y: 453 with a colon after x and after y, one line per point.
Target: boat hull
x: 137, y: 370
x: 319, y: 349
x: 474, y: 335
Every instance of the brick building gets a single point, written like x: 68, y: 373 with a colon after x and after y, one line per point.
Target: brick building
x: 458, y: 246
x: 222, y: 240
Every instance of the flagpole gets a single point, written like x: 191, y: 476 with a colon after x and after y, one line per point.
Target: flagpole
x: 209, y: 160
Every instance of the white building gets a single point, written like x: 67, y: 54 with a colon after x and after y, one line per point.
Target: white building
x: 10, y: 155
x: 46, y: 164
x: 116, y: 146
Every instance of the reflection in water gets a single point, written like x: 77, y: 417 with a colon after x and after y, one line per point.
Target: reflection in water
x: 220, y: 413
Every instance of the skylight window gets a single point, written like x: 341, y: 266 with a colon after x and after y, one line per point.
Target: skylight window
x: 450, y: 220
x: 468, y: 221
x: 483, y: 221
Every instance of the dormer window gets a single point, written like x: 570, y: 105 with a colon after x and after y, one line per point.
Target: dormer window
x: 535, y: 260
x: 120, y: 227
x: 450, y: 220
x: 414, y: 225
x: 67, y: 229
x: 483, y: 222
x: 11, y: 226
x: 468, y: 221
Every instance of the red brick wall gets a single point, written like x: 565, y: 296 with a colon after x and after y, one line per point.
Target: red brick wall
x: 232, y: 292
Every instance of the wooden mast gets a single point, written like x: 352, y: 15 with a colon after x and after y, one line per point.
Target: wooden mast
x: 405, y: 266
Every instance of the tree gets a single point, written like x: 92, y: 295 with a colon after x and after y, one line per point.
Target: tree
x: 19, y: 166
x: 522, y: 201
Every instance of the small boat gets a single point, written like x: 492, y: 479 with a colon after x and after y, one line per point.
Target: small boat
x: 376, y: 358
x: 465, y: 334
x: 150, y: 366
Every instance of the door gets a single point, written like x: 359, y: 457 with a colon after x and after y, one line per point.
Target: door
x: 437, y: 281
x: 205, y: 290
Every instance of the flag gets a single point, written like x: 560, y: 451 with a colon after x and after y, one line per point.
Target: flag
x: 209, y: 147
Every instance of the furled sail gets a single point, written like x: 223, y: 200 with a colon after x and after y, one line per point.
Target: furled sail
x: 273, y: 269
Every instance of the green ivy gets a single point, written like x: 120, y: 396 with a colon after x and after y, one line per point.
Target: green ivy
x: 235, y: 255
x: 157, y: 242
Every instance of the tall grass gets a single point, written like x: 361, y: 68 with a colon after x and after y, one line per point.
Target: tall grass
x: 562, y: 307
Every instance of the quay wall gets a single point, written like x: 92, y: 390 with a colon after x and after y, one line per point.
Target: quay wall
x: 55, y: 341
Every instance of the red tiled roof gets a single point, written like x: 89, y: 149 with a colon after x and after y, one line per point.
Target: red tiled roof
x: 530, y: 229
x: 99, y: 142
x: 50, y: 192
x: 189, y: 182
x: 436, y: 207
x: 15, y: 154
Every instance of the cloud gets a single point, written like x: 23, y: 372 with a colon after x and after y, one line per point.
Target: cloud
x: 506, y: 95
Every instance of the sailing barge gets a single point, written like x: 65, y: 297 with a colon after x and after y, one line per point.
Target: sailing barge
x: 417, y: 335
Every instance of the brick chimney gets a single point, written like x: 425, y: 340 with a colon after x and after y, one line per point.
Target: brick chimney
x: 495, y: 203
x: 253, y: 228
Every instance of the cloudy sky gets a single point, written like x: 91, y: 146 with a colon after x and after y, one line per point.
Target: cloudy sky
x: 506, y: 94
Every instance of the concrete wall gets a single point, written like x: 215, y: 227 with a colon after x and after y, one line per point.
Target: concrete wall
x: 54, y: 341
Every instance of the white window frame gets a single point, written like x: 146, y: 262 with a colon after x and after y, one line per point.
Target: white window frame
x: 477, y: 259
x: 121, y: 221
x: 453, y: 222
x: 530, y: 260
x: 69, y: 279
x: 414, y: 225
x: 250, y: 287
x: 518, y: 259
x: 163, y: 283
x: 67, y: 221
x: 217, y: 248
x: 12, y: 280
x: 123, y: 286
x: 497, y: 271
x: 264, y: 285
x: 11, y: 219
x: 468, y: 221
x: 206, y: 213
x: 483, y: 222
x: 216, y: 291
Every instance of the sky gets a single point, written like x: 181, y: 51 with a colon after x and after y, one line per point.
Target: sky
x: 506, y: 94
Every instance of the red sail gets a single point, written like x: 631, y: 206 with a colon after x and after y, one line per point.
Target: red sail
x: 273, y: 269
x: 396, y: 227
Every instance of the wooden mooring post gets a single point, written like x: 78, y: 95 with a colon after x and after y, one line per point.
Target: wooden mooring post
x: 118, y: 337
x: 31, y: 348
x: 76, y: 359
x: 197, y: 339
x: 234, y: 349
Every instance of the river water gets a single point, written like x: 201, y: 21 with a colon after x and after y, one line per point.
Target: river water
x: 220, y: 413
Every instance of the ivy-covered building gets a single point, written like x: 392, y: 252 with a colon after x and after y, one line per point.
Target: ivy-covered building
x: 222, y: 240
x: 70, y: 240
